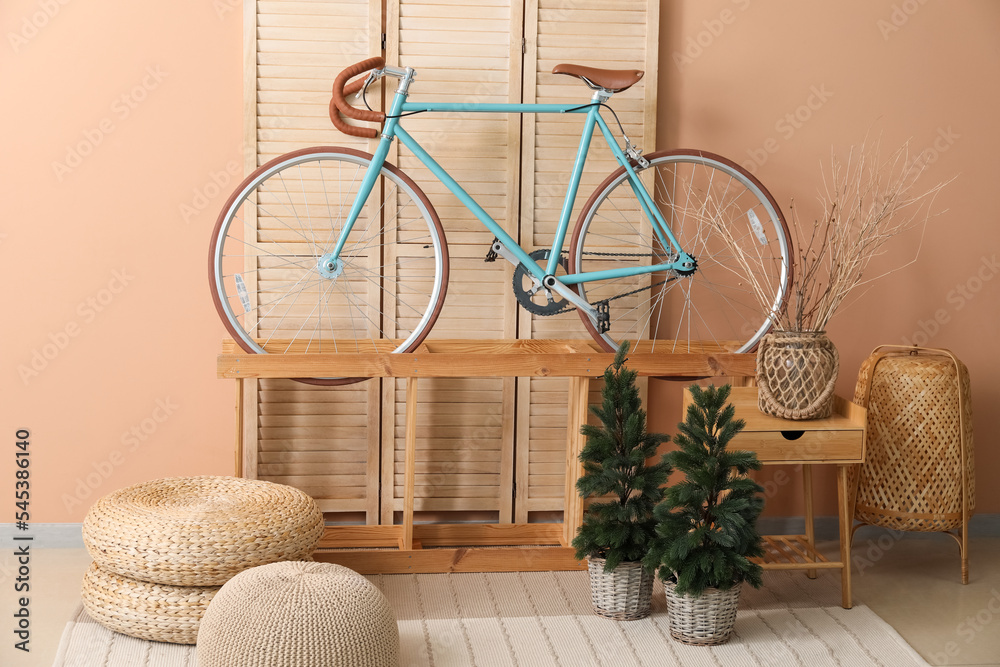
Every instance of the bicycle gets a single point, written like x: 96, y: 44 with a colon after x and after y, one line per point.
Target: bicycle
x: 316, y: 267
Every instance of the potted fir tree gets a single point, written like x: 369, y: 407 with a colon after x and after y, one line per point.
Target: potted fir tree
x: 706, y: 526
x: 616, y: 532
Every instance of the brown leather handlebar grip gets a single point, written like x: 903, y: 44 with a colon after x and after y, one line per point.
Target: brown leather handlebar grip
x: 339, y: 105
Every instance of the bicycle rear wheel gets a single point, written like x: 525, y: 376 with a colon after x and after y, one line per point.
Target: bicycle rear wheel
x: 704, y: 199
x: 277, y: 290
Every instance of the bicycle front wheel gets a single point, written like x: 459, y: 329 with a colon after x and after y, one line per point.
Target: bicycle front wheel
x: 278, y: 289
x: 723, y: 217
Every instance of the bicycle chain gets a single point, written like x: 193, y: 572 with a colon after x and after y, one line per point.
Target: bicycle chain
x: 569, y: 307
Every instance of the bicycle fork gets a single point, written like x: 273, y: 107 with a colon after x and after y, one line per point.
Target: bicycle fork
x: 330, y: 264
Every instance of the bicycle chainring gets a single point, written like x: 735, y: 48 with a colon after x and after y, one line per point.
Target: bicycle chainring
x: 532, y: 296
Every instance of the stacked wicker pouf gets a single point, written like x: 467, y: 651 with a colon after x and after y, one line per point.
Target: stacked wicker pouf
x: 299, y: 615
x: 162, y: 549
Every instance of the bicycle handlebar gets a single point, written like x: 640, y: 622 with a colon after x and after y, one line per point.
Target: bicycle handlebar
x: 340, y: 105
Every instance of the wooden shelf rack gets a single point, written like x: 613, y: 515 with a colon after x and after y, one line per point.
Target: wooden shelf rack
x: 420, y: 548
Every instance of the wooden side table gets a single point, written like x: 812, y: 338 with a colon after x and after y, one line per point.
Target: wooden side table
x: 838, y: 440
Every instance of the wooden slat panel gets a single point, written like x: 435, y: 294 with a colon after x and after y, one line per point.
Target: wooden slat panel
x: 319, y: 444
x: 445, y: 432
x: 321, y: 440
x: 447, y: 429
x: 300, y: 48
x: 585, y: 33
x: 462, y: 51
x: 433, y: 535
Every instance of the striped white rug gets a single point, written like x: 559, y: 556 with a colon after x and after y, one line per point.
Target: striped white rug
x: 545, y: 619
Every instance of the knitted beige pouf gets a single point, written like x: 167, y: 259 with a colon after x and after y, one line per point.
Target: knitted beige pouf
x: 156, y: 612
x: 200, y: 531
x: 299, y: 615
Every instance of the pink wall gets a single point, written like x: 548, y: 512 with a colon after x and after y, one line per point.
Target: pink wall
x: 776, y: 84
x: 150, y: 96
x: 142, y: 200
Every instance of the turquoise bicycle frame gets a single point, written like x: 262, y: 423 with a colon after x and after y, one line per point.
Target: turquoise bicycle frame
x: 593, y: 118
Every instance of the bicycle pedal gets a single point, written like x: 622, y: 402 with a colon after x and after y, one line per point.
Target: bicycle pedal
x: 603, y: 309
x: 491, y: 255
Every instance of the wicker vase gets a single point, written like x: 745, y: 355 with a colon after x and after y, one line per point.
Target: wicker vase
x: 705, y: 620
x: 797, y: 374
x: 624, y: 593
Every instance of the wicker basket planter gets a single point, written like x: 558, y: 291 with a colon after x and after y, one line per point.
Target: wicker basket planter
x: 624, y: 593
x: 705, y: 620
x: 154, y: 612
x: 797, y: 374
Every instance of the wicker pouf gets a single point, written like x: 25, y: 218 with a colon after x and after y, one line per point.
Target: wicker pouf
x: 200, y: 531
x: 919, y: 469
x: 295, y: 614
x: 156, y: 612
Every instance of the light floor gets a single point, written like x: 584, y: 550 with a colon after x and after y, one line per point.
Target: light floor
x: 913, y: 583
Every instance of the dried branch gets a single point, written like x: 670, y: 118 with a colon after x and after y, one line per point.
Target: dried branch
x: 866, y: 202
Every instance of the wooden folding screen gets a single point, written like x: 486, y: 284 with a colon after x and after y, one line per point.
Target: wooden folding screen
x: 490, y: 446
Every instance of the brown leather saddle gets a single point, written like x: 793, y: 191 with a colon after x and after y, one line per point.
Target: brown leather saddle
x: 613, y: 80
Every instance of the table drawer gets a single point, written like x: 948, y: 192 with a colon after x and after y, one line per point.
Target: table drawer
x: 796, y: 446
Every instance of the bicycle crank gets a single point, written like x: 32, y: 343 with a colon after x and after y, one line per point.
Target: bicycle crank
x: 535, y: 297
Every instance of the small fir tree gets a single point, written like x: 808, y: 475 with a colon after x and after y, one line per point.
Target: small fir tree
x: 615, y: 463
x: 706, y: 527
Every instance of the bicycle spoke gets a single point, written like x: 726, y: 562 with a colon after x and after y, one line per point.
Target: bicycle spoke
x: 271, y: 241
x: 256, y: 232
x: 282, y: 318
x: 343, y: 201
x: 301, y: 326
x: 305, y: 199
x: 311, y: 283
x: 705, y: 203
x: 292, y: 209
x: 415, y: 310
